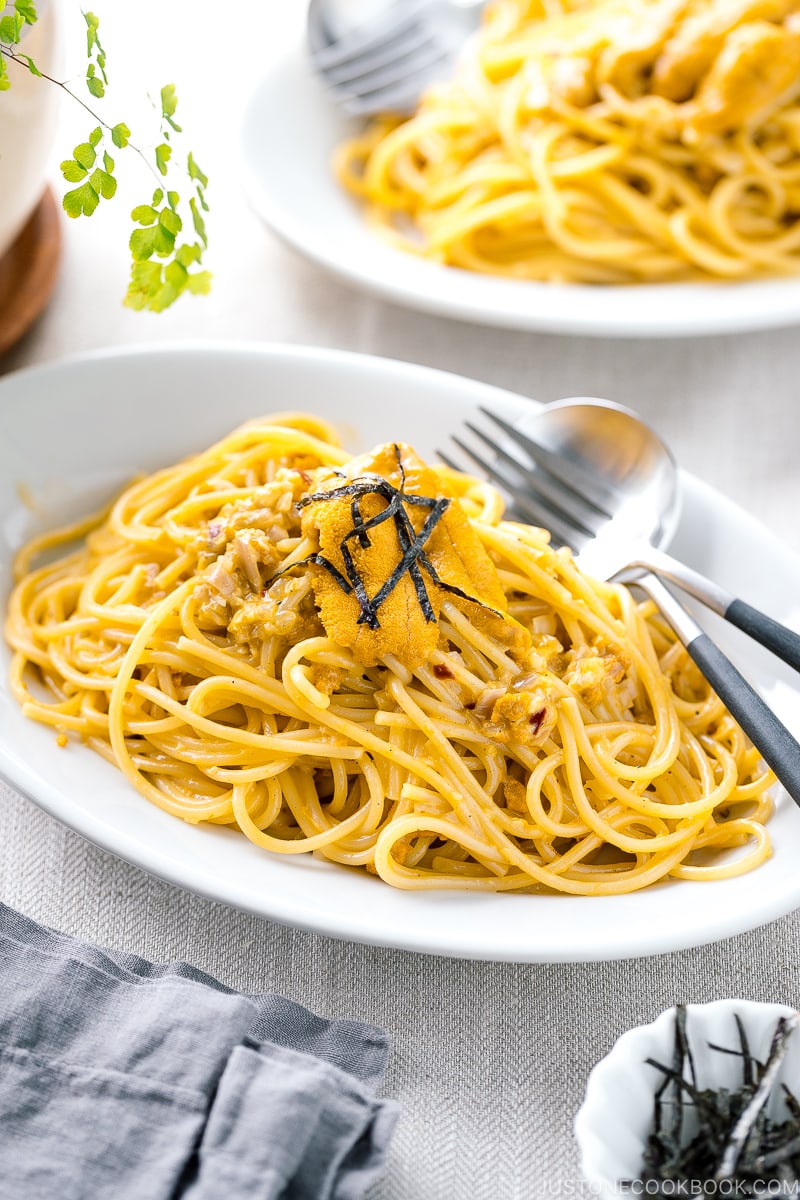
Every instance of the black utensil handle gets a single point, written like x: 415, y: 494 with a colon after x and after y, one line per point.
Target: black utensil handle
x: 776, y: 637
x: 778, y: 747
x: 783, y: 642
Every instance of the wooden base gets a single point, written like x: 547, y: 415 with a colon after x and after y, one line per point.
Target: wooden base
x: 28, y: 272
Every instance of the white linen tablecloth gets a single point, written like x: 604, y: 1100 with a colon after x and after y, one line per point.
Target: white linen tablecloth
x: 489, y: 1061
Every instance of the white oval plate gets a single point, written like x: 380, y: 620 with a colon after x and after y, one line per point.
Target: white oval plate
x: 72, y: 433
x: 290, y: 130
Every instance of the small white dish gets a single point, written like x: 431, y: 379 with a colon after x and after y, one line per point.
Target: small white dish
x: 290, y: 130
x: 73, y: 433
x: 616, y: 1116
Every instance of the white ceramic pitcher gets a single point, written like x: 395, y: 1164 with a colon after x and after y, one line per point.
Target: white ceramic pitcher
x: 28, y: 120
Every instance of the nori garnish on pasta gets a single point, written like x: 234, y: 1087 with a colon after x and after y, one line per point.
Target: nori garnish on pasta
x: 413, y: 558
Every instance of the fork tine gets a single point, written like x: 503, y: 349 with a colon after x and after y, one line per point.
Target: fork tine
x: 398, y: 75
x: 400, y: 98
x: 522, y: 499
x: 532, y: 508
x: 580, y: 480
x: 363, y: 41
x: 384, y: 55
x: 560, y: 534
x: 450, y: 462
x: 548, y: 489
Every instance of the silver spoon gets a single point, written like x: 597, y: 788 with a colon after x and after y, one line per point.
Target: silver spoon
x: 604, y: 484
x: 609, y: 488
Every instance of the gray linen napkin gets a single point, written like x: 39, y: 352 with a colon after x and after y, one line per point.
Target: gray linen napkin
x: 122, y: 1079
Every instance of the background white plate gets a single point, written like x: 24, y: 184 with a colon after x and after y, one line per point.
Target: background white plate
x: 72, y: 433
x: 290, y: 130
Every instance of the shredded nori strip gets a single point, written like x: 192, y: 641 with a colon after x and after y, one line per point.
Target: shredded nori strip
x: 413, y: 558
x: 736, y: 1142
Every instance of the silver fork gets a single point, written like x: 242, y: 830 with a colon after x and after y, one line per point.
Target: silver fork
x: 385, y: 60
x: 575, y: 503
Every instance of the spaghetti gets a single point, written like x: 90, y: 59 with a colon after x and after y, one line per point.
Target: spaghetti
x: 279, y: 638
x: 601, y: 141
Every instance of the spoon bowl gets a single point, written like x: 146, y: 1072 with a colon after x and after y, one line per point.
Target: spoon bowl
x: 608, y: 457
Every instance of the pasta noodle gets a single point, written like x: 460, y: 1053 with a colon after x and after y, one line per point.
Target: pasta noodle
x: 601, y: 141
x: 359, y: 658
